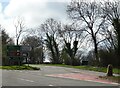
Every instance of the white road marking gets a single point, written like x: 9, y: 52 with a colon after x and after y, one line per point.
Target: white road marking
x: 50, y: 85
x: 26, y: 80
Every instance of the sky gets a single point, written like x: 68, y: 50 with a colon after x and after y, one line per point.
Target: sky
x: 34, y: 12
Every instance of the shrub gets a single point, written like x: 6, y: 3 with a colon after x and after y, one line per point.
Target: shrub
x: 107, y: 57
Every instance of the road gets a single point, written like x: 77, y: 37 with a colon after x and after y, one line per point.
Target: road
x: 42, y: 77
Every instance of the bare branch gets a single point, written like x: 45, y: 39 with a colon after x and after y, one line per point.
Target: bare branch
x: 19, y: 26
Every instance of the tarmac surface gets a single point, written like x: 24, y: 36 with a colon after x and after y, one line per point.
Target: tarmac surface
x: 54, y: 76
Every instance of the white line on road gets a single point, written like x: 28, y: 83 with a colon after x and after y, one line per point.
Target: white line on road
x: 50, y: 85
x: 26, y: 80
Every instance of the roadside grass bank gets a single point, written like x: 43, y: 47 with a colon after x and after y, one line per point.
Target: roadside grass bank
x: 111, y: 78
x: 23, y: 67
x: 91, y: 68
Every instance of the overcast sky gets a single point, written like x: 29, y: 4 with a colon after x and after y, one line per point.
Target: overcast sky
x: 34, y: 12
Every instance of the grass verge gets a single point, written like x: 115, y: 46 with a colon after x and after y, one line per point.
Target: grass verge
x: 91, y: 68
x: 19, y: 67
x: 111, y: 78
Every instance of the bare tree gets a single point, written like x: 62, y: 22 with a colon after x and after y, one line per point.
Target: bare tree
x: 19, y: 26
x: 112, y: 10
x: 91, y: 19
x: 35, y: 43
x: 70, y: 38
x: 111, y: 42
x: 50, y: 29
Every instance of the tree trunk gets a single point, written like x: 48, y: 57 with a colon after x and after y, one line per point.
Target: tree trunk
x: 109, y: 70
x: 17, y: 41
x: 118, y: 51
x: 95, y: 48
x: 96, y: 52
x: 116, y: 24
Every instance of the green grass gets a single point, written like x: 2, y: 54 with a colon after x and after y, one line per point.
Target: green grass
x: 19, y: 67
x: 91, y: 68
x: 111, y: 78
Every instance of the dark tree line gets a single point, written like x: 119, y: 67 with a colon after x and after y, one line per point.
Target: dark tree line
x: 6, y: 40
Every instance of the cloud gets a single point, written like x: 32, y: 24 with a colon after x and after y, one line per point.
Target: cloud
x: 1, y: 14
x: 0, y: 7
x: 36, y: 11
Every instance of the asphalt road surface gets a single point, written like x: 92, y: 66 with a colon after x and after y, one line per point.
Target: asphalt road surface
x: 41, y: 78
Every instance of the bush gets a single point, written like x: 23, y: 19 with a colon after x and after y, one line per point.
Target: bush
x: 107, y: 57
x: 35, y: 68
x: 65, y: 58
x: 76, y: 62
